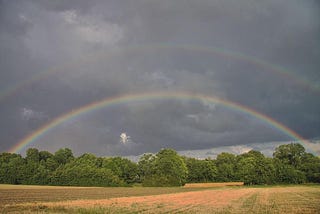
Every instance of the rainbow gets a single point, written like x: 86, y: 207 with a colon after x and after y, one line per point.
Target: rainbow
x: 111, y: 101
x: 223, y: 53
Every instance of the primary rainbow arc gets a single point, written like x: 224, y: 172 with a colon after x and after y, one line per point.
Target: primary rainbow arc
x: 110, y: 101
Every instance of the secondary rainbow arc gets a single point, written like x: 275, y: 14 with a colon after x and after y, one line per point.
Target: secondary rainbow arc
x: 229, y: 54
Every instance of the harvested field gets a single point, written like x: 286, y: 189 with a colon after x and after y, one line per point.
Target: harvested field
x: 16, y: 194
x: 292, y: 199
x: 206, y: 185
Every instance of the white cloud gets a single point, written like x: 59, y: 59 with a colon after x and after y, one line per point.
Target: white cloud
x: 314, y: 146
x: 28, y: 114
x: 158, y: 78
x: 210, y: 105
x: 70, y: 16
x: 266, y: 148
x: 93, y: 29
x: 193, y: 117
x: 240, y: 149
x: 61, y: 36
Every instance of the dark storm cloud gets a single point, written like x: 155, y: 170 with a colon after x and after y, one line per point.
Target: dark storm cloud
x: 100, y: 49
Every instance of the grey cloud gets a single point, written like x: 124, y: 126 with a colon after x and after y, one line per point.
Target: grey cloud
x: 100, y: 49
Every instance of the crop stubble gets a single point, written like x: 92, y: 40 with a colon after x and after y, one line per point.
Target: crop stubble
x: 292, y: 199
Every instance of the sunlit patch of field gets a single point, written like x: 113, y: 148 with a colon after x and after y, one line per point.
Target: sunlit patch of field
x: 206, y: 185
x: 290, y: 199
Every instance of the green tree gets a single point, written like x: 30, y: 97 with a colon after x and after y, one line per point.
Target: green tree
x: 84, y: 171
x: 254, y: 168
x: 287, y: 174
x: 291, y: 164
x: 51, y: 164
x: 310, y: 165
x: 31, y: 168
x: 146, y: 166
x: 168, y: 169
x: 11, y: 168
x: 200, y: 170
x: 45, y: 155
x: 41, y: 176
x: 226, y: 163
x: 291, y: 154
x: 32, y: 155
x: 63, y: 156
x: 123, y: 168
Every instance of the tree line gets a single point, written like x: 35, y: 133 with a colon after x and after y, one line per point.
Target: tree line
x: 290, y: 164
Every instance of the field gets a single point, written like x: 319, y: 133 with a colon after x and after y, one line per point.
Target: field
x: 239, y: 199
x: 194, y: 185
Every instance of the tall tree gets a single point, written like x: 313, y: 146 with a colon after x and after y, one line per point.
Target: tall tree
x: 33, y: 155
x: 254, y: 168
x: 311, y: 167
x: 287, y: 174
x: 44, y: 155
x: 63, y: 156
x: 146, y: 166
x: 167, y: 169
x: 84, y: 171
x: 123, y: 168
x: 200, y: 170
x: 226, y: 163
x: 12, y: 168
x: 290, y: 154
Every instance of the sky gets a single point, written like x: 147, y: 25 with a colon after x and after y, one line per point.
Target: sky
x: 58, y: 56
